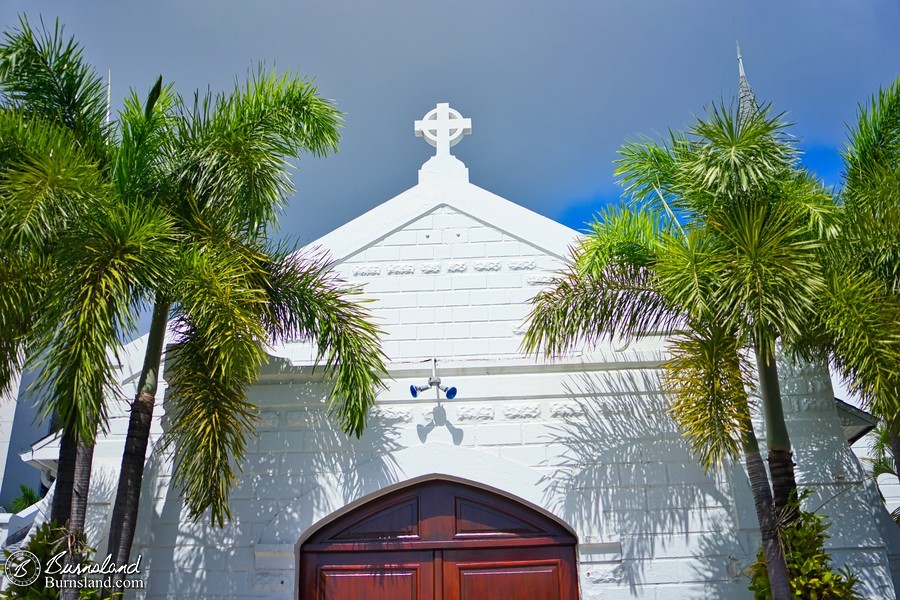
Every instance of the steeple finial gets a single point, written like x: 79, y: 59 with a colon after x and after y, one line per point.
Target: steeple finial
x: 443, y: 127
x: 746, y: 99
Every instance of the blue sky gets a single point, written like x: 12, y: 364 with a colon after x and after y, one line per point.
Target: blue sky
x: 552, y: 88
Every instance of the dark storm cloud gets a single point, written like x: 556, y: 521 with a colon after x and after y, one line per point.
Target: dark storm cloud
x: 553, y: 88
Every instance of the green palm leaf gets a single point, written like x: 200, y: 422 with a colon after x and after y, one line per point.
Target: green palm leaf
x: 858, y: 325
x: 46, y: 74
x: 308, y: 301
x: 22, y: 290
x: 142, y: 163
x: 579, y: 308
x: 46, y: 181
x: 102, y: 262
x: 768, y: 269
x: 871, y: 193
x: 708, y: 382
x: 620, y: 235
x: 235, y: 148
x: 734, y: 155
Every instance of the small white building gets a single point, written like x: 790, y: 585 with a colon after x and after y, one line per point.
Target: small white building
x: 556, y: 479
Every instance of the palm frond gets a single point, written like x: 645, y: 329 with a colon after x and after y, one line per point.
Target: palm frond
x: 620, y: 235
x: 800, y: 189
x: 237, y: 147
x: 648, y: 169
x: 102, y: 263
x: 307, y: 300
x: 858, y: 320
x: 217, y: 355
x: 769, y: 270
x: 45, y: 73
x: 142, y: 158
x: 880, y: 442
x: 686, y: 271
x: 708, y: 382
x: 736, y: 154
x: 46, y: 181
x: 211, y: 417
x: 882, y: 466
x: 621, y: 301
x: 871, y: 193
x: 22, y: 290
x: 216, y: 293
x: 875, y: 140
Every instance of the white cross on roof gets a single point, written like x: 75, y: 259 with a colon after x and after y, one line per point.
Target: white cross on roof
x: 443, y: 127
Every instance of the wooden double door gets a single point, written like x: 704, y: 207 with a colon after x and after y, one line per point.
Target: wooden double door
x: 440, y: 540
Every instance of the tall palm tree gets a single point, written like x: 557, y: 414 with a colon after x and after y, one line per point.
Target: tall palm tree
x: 220, y: 173
x: 55, y: 179
x: 40, y: 156
x: 207, y: 181
x: 89, y: 254
x: 764, y: 222
x: 743, y: 258
x: 640, y: 272
x: 870, y: 245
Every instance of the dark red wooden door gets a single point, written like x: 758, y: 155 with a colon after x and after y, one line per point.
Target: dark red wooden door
x: 370, y: 576
x: 440, y: 540
x: 510, y: 574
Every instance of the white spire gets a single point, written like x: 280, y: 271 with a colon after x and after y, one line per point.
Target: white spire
x: 746, y: 98
x: 108, y: 93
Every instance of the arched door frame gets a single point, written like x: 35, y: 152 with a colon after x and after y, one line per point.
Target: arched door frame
x: 369, y: 498
x: 454, y: 519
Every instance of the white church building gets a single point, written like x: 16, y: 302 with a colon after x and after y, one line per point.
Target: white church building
x: 537, y: 479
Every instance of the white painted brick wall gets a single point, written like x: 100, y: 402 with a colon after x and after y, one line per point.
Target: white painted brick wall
x: 604, y: 456
x: 448, y: 259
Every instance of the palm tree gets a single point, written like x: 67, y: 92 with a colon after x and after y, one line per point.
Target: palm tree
x: 220, y: 173
x: 77, y: 254
x: 54, y: 178
x: 642, y: 272
x: 763, y: 223
x: 733, y: 247
x: 870, y: 248
x: 207, y: 181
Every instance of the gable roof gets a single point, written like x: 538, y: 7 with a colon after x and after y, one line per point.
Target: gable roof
x: 453, y: 190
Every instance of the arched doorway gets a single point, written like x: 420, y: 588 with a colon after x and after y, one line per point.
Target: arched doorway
x: 440, y: 540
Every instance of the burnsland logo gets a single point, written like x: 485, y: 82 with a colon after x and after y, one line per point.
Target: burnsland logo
x: 23, y: 568
x: 57, y: 566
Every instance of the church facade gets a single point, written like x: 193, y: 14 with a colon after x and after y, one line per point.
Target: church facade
x: 546, y: 479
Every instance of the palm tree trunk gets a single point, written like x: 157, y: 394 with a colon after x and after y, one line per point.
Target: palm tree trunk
x: 781, y: 463
x: 894, y: 434
x: 776, y: 565
x: 80, y: 489
x: 125, y: 510
x: 84, y: 460
x: 61, y: 510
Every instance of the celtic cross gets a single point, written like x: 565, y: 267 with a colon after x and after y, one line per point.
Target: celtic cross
x: 443, y: 127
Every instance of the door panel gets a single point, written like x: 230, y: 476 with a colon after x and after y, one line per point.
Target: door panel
x: 371, y: 576
x: 508, y: 582
x: 509, y: 574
